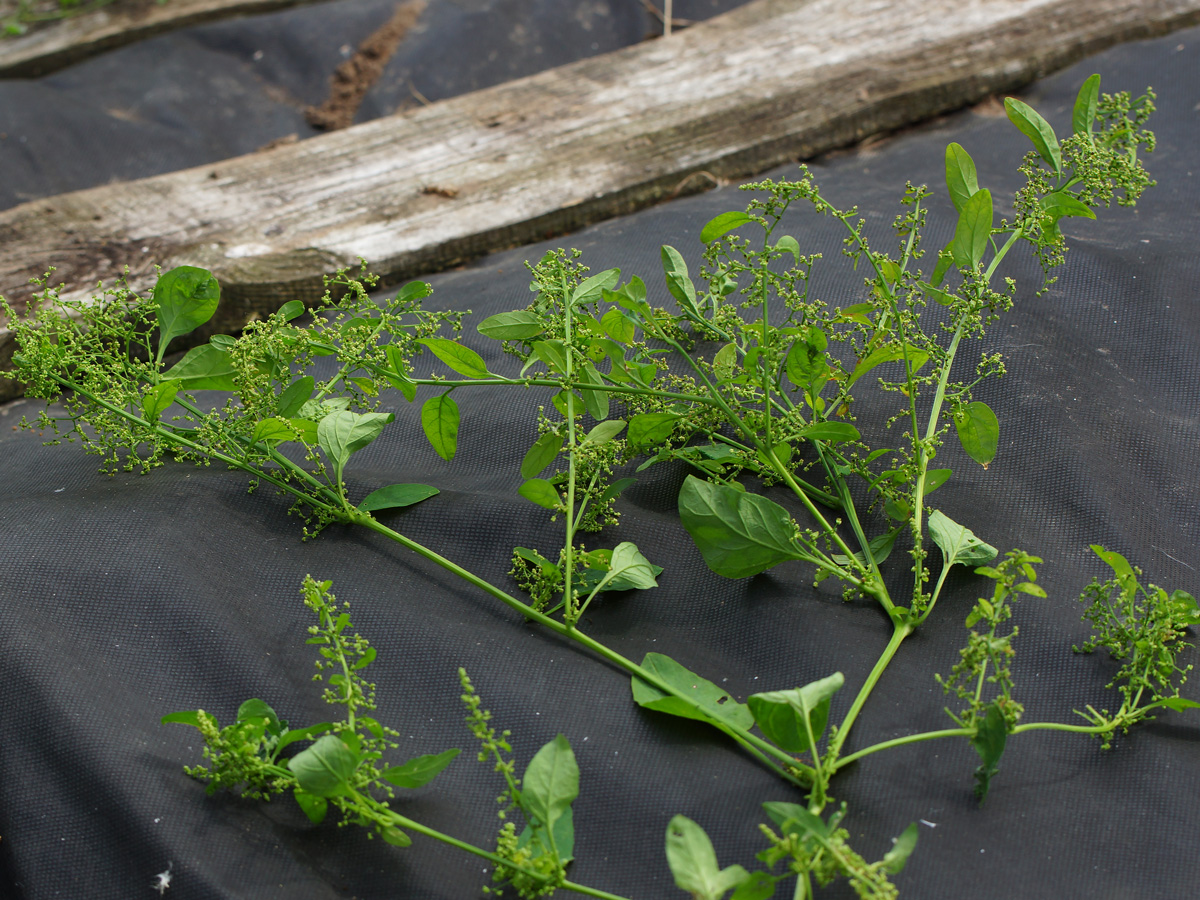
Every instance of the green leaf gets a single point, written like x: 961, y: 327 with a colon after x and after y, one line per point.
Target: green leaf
x: 512, y: 326
x: 693, y: 862
x: 553, y: 354
x: 301, y: 734
x: 707, y: 700
x: 755, y: 886
x: 902, y: 848
x: 595, y: 402
x: 959, y: 544
x: 722, y: 225
x: 788, y: 244
x: 203, y: 368
x: 1179, y: 704
x: 396, y: 495
x: 260, y: 709
x: 1060, y: 204
x: 973, y: 231
x: 551, y: 782
x: 738, y: 533
x: 725, y: 362
x: 396, y: 375
x: 461, y: 359
x: 274, y: 430
x: 944, y: 261
x: 563, y: 833
x: 881, y: 548
x: 605, y: 432
x: 291, y: 310
x: 978, y: 431
x: 781, y: 714
x: 935, y: 478
x: 1084, y: 114
x: 395, y: 836
x: 961, y: 178
x: 1126, y: 577
x: 590, y: 289
x: 651, y: 429
x: 989, y: 740
x: 829, y: 431
x: 184, y: 717
x: 325, y: 768
x: 314, y: 807
x: 805, y: 361
x: 1031, y: 124
x: 158, y: 398
x: 295, y: 395
x: 439, y: 419
x: 543, y: 452
x: 186, y: 298
x: 343, y: 433
x: 678, y: 283
x: 630, y: 568
x: 420, y: 771
x: 541, y: 492
x: 888, y: 353
x: 618, y: 326
x: 614, y: 490
x: 792, y: 816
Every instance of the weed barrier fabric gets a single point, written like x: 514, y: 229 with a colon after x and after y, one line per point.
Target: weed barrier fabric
x: 208, y: 93
x: 129, y: 597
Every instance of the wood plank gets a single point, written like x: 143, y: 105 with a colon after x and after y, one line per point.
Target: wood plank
x: 48, y: 48
x: 773, y: 81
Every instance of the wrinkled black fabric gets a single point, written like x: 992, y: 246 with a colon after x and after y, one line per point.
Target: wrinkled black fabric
x: 128, y: 597
x: 207, y: 93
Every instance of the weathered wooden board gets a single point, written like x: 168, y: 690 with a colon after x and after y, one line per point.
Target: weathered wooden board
x: 51, y: 47
x: 772, y: 81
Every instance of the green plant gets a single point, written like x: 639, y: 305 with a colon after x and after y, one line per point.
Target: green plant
x: 342, y: 765
x: 748, y: 380
x: 17, y: 21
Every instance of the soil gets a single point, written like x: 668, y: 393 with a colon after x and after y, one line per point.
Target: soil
x: 352, y: 79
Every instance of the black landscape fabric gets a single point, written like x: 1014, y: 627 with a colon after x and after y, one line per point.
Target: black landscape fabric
x: 125, y: 598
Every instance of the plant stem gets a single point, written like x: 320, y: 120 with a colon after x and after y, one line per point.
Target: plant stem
x: 901, y: 741
x: 902, y: 629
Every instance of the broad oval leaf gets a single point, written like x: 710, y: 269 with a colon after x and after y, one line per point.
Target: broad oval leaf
x: 186, y: 298
x: 541, y: 492
x: 973, y: 231
x: 989, y: 740
x: 274, y: 430
x: 902, y: 848
x: 396, y: 374
x: 159, y: 398
x: 420, y: 771
x: 693, y: 862
x: 396, y: 495
x: 203, y: 368
x: 789, y: 816
x: 551, y: 782
x: 678, y: 283
x: 786, y: 244
x: 1060, y: 204
x: 595, y: 402
x: 605, y: 432
x: 512, y: 326
x: 395, y: 836
x: 295, y: 395
x: 630, y: 568
x: 553, y: 354
x: 781, y: 715
x: 1031, y: 124
x: 325, y: 768
x: 1126, y: 577
x: 183, y: 717
x: 458, y: 357
x: 829, y: 431
x: 343, y: 433
x: 291, y: 310
x: 961, y: 178
x: 888, y: 353
x: 313, y: 807
x: 543, y: 452
x: 959, y: 544
x: 618, y: 326
x: 440, y: 420
x: 738, y: 533
x: 978, y: 431
x: 651, y: 429
x: 705, y: 700
x: 723, y: 224
x: 590, y: 289
x: 1083, y: 116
